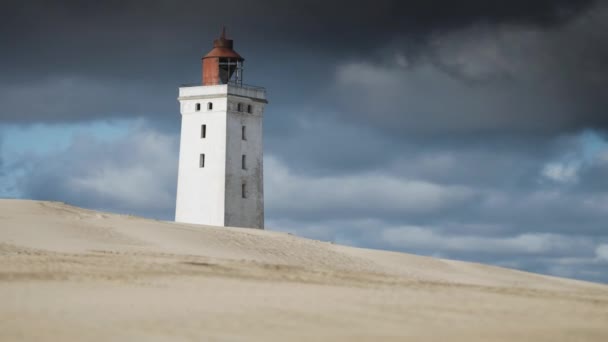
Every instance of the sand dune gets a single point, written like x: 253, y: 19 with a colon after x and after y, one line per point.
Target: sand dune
x: 73, y: 274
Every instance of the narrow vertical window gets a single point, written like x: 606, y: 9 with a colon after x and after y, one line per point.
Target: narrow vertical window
x: 239, y: 107
x: 244, y: 190
x: 249, y: 109
x: 198, y: 107
x: 209, y: 106
x: 201, y: 161
x: 203, y: 131
x: 244, y: 133
x: 244, y: 162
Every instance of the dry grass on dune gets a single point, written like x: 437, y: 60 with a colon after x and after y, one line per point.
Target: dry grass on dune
x: 73, y: 274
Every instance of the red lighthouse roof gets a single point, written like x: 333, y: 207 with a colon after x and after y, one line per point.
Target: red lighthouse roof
x: 222, y: 48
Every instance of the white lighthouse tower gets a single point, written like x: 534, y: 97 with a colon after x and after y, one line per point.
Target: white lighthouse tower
x: 220, y: 179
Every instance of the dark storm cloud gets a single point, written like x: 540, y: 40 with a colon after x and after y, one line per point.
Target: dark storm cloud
x: 486, y: 81
x: 139, y: 51
x: 350, y: 24
x: 70, y: 98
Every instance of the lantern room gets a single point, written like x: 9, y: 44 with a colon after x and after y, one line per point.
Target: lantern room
x: 222, y: 65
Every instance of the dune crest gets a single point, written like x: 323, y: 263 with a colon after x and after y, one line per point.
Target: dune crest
x: 68, y: 273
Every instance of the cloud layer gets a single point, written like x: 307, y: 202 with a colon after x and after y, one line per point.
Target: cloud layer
x: 133, y: 174
x: 486, y: 80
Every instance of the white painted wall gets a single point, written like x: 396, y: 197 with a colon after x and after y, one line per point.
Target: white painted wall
x: 212, y: 195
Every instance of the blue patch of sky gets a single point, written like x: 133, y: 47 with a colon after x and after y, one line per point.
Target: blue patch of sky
x: 593, y: 145
x: 42, y: 139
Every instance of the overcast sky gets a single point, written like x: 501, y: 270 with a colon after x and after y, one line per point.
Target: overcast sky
x: 474, y: 130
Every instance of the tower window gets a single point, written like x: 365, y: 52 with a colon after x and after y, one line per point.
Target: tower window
x: 203, y: 131
x: 210, y: 106
x: 249, y: 109
x: 244, y: 162
x: 239, y: 107
x: 201, y: 161
x: 244, y: 133
x: 244, y: 190
x: 198, y: 107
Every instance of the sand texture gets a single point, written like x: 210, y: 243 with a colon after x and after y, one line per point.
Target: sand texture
x: 70, y: 274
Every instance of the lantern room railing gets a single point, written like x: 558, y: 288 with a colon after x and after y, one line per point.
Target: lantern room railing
x: 231, y: 84
x: 198, y: 89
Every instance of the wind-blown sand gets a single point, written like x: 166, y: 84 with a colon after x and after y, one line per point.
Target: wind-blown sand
x: 70, y: 274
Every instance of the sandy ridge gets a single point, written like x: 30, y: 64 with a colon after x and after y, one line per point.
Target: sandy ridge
x: 116, y: 274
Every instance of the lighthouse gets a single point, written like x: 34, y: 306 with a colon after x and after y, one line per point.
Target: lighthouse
x: 220, y: 176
